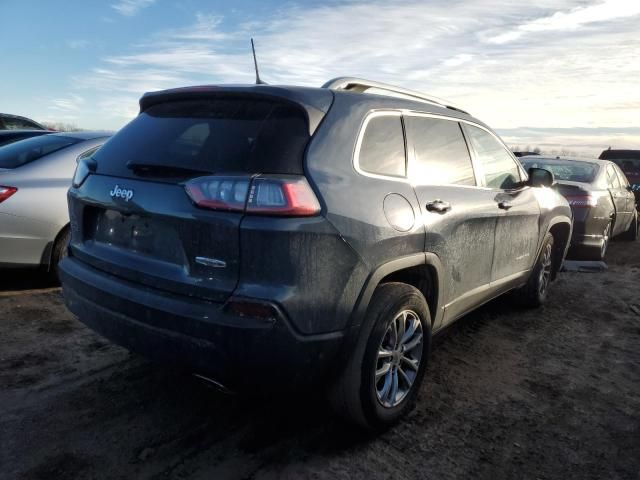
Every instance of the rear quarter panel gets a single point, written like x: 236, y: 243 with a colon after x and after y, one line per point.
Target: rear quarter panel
x: 42, y: 186
x: 352, y: 202
x: 554, y: 209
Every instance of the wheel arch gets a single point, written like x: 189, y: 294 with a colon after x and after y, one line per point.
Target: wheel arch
x: 560, y: 228
x: 49, y: 249
x: 421, y: 270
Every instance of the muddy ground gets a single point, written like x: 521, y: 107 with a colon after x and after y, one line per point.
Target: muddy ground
x: 553, y: 393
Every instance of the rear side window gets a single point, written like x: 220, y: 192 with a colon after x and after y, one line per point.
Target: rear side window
x: 25, y: 151
x: 382, y: 148
x: 624, y: 181
x: 612, y: 177
x: 219, y: 135
x: 499, y: 168
x: 11, y: 123
x: 440, y: 153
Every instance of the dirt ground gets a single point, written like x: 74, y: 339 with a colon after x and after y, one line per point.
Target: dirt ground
x: 553, y: 393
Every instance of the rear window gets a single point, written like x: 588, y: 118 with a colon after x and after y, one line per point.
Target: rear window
x: 11, y: 123
x: 382, y: 149
x: 630, y: 166
x: 569, y: 170
x: 28, y: 150
x: 212, y: 135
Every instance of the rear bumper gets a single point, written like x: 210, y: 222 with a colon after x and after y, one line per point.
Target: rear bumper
x: 587, y: 241
x: 587, y: 238
x: 239, y: 352
x: 588, y: 227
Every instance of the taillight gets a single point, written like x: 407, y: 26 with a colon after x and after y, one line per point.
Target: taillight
x: 219, y: 193
x: 582, y: 201
x: 84, y: 167
x: 6, y: 192
x: 281, y: 195
x: 291, y: 197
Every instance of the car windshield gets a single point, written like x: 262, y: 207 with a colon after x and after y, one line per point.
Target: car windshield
x: 568, y: 170
x: 25, y: 151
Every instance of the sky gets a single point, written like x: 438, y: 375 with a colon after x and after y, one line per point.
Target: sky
x: 562, y: 75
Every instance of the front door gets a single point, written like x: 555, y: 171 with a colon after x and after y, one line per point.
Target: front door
x: 517, y: 228
x: 620, y: 199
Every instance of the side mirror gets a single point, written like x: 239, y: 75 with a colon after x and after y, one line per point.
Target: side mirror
x: 539, y: 177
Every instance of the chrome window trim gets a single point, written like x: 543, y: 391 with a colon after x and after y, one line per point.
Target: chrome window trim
x: 477, y: 168
x: 524, y: 176
x: 356, y: 153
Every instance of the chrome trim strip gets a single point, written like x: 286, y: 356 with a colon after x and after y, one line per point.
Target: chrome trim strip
x: 211, y: 262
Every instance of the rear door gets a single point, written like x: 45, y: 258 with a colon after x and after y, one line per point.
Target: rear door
x: 620, y: 197
x: 631, y: 169
x: 134, y: 218
x: 628, y: 189
x: 459, y: 216
x: 517, y: 228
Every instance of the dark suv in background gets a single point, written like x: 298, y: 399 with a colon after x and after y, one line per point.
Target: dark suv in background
x: 283, y: 237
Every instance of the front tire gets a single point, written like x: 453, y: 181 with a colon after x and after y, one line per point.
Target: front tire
x: 381, y: 380
x: 534, y: 293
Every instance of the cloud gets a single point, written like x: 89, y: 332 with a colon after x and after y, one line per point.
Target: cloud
x: 130, y: 8
x: 572, y: 19
x: 206, y: 28
x: 457, y: 60
x: 70, y: 104
x: 580, y: 142
x: 562, y: 74
x: 78, y: 44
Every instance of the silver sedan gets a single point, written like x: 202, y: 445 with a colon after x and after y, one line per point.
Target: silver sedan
x: 35, y: 175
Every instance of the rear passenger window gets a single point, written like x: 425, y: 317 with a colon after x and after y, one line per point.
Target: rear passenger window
x: 382, y: 148
x: 499, y: 168
x: 624, y: 181
x: 613, y: 180
x: 440, y: 152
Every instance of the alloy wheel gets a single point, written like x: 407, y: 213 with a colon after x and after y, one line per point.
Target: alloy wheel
x: 545, y: 271
x: 398, y: 360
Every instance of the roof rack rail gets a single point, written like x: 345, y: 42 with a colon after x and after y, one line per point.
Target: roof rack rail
x: 361, y: 85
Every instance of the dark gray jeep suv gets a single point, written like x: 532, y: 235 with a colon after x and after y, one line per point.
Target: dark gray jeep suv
x: 267, y: 236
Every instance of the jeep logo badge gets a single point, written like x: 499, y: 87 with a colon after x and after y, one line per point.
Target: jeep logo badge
x: 118, y: 192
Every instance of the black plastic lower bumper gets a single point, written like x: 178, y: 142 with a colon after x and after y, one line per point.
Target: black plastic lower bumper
x: 239, y: 352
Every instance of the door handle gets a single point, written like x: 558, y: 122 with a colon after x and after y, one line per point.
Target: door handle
x: 504, y: 205
x: 438, y: 206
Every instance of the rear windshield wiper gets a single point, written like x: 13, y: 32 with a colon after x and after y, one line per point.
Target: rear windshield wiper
x: 165, y: 170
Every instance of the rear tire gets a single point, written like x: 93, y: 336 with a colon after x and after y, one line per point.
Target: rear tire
x: 606, y: 237
x: 631, y: 235
x: 58, y: 252
x: 534, y: 293
x: 381, y: 380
